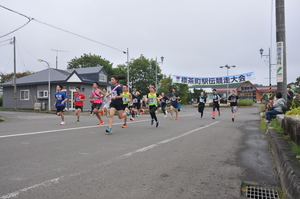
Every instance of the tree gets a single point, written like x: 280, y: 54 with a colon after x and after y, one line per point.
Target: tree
x: 89, y: 60
x: 141, y: 73
x: 8, y: 77
x: 183, y: 92
x: 166, y: 85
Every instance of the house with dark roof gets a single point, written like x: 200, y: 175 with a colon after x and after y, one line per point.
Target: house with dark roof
x: 33, y: 89
x: 247, y: 91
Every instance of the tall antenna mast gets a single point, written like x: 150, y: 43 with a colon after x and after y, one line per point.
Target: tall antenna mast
x: 57, y: 55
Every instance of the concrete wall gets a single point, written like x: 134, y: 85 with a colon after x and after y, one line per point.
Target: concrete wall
x: 291, y: 127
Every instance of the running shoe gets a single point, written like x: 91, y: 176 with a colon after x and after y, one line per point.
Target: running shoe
x: 62, y: 123
x: 108, y: 130
x: 101, y: 122
x: 201, y: 117
x: 233, y: 119
x: 124, y: 126
x: 132, y: 119
x: 152, y: 122
x: 171, y: 117
x: 213, y: 117
x: 157, y: 123
x: 176, y: 118
x: 77, y: 122
x: 166, y: 112
x: 136, y: 115
x: 165, y: 116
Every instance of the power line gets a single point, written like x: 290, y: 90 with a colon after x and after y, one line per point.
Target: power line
x: 30, y: 19
x: 79, y: 35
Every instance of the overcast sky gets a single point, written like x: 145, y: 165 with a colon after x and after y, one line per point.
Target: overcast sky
x: 196, y: 37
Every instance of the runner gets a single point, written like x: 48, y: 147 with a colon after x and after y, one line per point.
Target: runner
x: 201, y: 100
x: 105, y: 104
x: 233, y: 99
x: 78, y: 101
x: 116, y: 101
x: 152, y: 99
x: 126, y: 98
x: 97, y: 95
x: 174, y: 103
x: 179, y: 105
x: 92, y: 101
x: 60, y: 103
x: 216, y: 103
x: 136, y: 103
x: 164, y: 101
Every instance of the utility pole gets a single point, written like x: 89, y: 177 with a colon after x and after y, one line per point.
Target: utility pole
x: 15, y: 72
x: 57, y: 55
x: 281, y: 49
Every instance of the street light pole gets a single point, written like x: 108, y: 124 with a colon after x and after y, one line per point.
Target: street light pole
x: 49, y: 95
x: 162, y: 60
x: 270, y: 69
x: 127, y: 67
x: 228, y: 67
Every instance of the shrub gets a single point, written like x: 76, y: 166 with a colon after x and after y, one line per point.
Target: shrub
x: 245, y: 103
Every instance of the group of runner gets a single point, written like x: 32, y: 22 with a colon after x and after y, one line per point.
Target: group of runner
x: 119, y: 100
x: 123, y: 102
x: 233, y: 99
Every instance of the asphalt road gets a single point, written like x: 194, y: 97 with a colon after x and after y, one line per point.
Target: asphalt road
x: 185, y: 158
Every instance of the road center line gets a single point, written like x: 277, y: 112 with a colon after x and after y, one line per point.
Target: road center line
x: 127, y: 155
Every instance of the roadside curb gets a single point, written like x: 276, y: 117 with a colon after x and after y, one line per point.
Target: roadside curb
x: 287, y: 165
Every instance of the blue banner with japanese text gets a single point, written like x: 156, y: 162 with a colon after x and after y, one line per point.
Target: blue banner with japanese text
x: 214, y: 80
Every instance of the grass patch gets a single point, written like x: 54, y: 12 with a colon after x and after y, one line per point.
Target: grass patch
x: 296, y: 149
x: 2, y: 119
x: 245, y: 103
x: 277, y: 127
x: 263, y: 126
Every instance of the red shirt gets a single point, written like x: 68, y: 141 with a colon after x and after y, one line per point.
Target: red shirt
x: 77, y: 97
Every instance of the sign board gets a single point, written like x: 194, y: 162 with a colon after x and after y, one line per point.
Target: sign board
x: 214, y: 80
x: 279, y: 61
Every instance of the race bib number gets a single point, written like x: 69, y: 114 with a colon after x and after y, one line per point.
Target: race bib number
x: 152, y: 100
x: 233, y: 100
x: 114, y: 94
x: 134, y: 101
x: 77, y: 98
x: 163, y: 100
x: 201, y: 100
x: 125, y: 99
x: 173, y: 99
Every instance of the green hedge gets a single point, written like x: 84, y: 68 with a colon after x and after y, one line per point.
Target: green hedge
x: 245, y: 103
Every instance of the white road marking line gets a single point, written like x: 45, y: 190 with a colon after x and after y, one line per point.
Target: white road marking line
x: 75, y: 128
x: 127, y: 155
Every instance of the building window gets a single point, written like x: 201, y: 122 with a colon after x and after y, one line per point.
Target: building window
x: 42, y: 94
x: 102, y: 77
x: 24, y: 94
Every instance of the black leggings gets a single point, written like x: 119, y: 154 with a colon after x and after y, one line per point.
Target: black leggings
x: 216, y: 105
x: 201, y: 109
x: 163, y: 107
x: 152, y: 109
